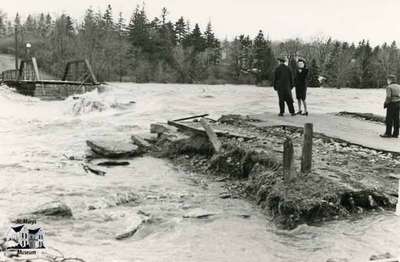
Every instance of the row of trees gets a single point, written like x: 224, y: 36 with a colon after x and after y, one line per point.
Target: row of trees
x: 161, y: 50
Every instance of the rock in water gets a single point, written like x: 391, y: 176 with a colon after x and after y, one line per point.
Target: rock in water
x: 54, y: 209
x: 198, y: 213
x: 113, y: 149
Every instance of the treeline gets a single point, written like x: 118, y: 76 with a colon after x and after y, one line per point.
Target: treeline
x: 161, y: 50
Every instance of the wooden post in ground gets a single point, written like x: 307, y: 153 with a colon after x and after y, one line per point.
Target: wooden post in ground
x: 289, y: 171
x: 306, y: 157
x: 211, y: 135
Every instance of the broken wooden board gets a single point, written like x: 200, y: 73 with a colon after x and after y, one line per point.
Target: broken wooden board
x: 141, y: 143
x: 185, y: 127
x: 160, y: 128
x: 113, y: 163
x: 93, y: 170
x: 190, y: 117
x: 113, y: 149
x: 211, y: 135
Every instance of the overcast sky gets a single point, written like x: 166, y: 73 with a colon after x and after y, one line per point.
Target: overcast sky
x: 350, y: 20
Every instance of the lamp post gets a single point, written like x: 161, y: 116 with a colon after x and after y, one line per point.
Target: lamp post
x: 28, y: 50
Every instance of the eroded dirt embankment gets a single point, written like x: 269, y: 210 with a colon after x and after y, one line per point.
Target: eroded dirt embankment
x: 346, y: 180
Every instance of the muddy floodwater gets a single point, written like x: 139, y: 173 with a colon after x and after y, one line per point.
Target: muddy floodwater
x: 37, y: 137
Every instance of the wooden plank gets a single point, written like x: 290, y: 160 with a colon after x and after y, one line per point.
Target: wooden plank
x: 211, y: 135
x: 188, y: 128
x: 190, y: 117
x: 289, y: 171
x: 306, y: 157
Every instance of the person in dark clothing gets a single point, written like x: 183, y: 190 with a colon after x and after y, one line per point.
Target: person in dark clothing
x: 300, y: 82
x: 392, y: 105
x: 283, y: 84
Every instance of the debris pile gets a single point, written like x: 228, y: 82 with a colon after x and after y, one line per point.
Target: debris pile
x: 344, y: 180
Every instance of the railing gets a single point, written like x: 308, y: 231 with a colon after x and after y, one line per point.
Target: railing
x: 9, y: 75
x: 28, y: 70
x: 77, y: 72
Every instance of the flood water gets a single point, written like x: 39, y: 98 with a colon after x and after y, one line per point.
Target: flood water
x: 36, y: 136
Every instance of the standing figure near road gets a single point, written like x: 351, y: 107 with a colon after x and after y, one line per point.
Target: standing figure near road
x: 300, y: 82
x: 392, y: 105
x: 283, y: 84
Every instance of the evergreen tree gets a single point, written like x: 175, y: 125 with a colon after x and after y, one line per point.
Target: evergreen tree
x: 331, y: 67
x: 355, y: 74
x: 314, y: 74
x: 108, y: 19
x: 210, y: 37
x: 264, y: 60
x: 69, y: 25
x: 180, y: 30
x: 42, y: 25
x: 30, y: 24
x: 122, y: 47
x: 138, y: 30
x: 234, y: 56
x: 62, y: 39
x: 196, y: 40
x: 364, y: 54
x: 246, y: 53
x: 164, y: 13
x: 213, y: 46
x: 17, y: 21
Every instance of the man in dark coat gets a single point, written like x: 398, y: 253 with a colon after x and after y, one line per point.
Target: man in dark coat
x: 392, y: 105
x: 283, y: 84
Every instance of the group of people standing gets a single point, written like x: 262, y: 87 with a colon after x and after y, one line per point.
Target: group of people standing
x: 285, y: 80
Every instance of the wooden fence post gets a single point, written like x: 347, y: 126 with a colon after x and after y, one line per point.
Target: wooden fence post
x: 306, y: 157
x: 289, y: 171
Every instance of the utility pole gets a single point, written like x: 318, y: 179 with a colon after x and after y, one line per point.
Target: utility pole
x: 16, y: 46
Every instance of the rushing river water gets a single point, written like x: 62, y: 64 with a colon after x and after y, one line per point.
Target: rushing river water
x: 36, y: 136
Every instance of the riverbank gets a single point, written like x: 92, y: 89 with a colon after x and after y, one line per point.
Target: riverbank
x: 36, y: 172
x: 347, y: 179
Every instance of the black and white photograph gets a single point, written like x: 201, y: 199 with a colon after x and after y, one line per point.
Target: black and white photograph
x: 199, y: 131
